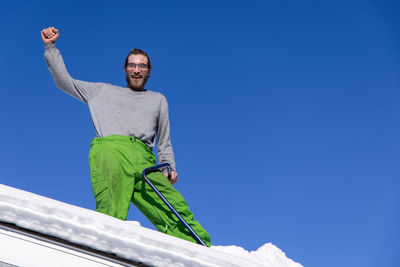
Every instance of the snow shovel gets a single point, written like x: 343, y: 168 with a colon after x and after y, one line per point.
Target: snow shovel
x: 154, y: 168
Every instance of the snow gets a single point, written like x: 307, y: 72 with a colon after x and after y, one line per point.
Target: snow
x: 126, y: 239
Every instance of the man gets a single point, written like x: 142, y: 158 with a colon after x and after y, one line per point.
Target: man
x: 126, y: 120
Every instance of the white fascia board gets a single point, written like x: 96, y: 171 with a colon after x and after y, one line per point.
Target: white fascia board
x: 22, y: 250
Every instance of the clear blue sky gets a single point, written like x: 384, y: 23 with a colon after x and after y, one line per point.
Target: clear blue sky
x: 284, y: 114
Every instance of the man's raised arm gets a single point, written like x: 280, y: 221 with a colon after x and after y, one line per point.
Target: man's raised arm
x: 83, y: 91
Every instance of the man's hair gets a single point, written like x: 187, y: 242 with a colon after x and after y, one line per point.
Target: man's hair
x: 137, y: 51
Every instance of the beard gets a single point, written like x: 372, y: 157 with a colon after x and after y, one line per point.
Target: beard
x: 136, y: 84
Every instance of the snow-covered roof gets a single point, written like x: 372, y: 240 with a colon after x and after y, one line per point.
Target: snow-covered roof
x: 40, y: 218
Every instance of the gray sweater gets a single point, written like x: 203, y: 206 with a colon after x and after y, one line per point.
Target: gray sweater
x: 118, y: 110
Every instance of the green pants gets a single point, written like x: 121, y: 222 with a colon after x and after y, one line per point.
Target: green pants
x: 116, y: 166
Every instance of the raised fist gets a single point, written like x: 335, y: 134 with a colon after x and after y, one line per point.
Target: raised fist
x: 49, y: 35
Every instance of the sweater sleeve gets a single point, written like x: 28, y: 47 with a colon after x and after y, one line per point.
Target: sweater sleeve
x: 83, y: 91
x: 164, y: 147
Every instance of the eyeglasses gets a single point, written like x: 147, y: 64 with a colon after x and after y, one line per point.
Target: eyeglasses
x: 141, y: 66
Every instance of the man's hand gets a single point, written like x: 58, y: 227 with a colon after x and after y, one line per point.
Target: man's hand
x: 50, y: 35
x: 174, y: 177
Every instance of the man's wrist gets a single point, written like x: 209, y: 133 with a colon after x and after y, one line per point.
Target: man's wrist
x: 50, y: 45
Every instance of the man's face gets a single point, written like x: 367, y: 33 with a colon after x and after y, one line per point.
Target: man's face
x: 136, y: 73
